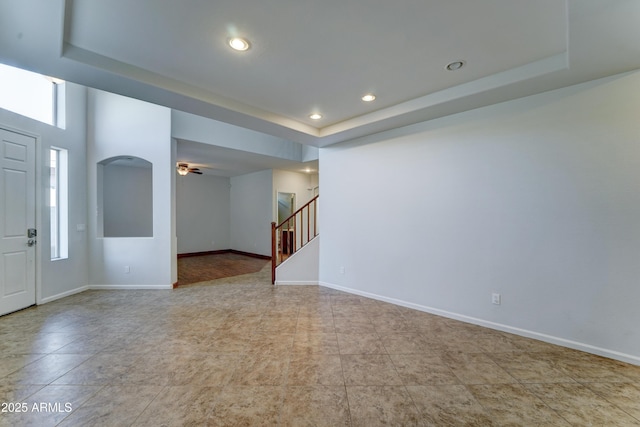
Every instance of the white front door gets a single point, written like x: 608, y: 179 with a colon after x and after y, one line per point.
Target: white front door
x: 17, y: 216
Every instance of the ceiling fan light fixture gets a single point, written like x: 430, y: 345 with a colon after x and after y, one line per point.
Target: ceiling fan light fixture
x: 183, y: 169
x: 239, y: 44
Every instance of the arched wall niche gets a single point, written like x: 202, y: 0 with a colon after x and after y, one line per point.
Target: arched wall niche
x: 125, y: 197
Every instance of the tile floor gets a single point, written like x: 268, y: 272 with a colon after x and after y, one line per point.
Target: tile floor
x: 241, y: 352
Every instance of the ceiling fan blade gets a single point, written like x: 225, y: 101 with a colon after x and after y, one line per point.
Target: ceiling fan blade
x: 196, y: 172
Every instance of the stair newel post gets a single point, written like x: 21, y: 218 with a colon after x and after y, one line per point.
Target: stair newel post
x: 273, y: 253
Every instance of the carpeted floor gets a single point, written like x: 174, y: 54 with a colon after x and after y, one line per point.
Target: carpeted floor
x: 203, y: 268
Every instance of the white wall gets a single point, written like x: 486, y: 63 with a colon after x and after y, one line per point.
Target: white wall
x: 537, y: 199
x: 301, y: 268
x: 61, y: 277
x: 252, y: 212
x: 123, y: 126
x: 203, y: 213
x: 293, y: 182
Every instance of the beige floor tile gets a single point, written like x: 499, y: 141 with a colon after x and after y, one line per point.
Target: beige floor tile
x: 133, y: 344
x: 423, y: 369
x: 317, y: 369
x: 179, y: 406
x: 424, y: 322
x: 239, y: 351
x: 315, y: 406
x: 379, y: 308
x: 497, y: 344
x: 257, y: 370
x: 591, y: 368
x: 364, y: 343
x: 101, y: 369
x: 230, y: 343
x: 630, y: 371
x: 532, y: 345
x: 320, y: 310
x: 353, y: 325
x: 315, y: 343
x: 512, y: 404
x: 113, y: 406
x: 581, y: 406
x: 529, y: 368
x: 342, y: 299
x: 459, y: 345
x: 408, y: 343
x: 46, y: 369
x: 52, y: 404
x: 17, y: 393
x: 239, y: 326
x: 369, y: 369
x: 238, y: 406
x: 10, y: 363
x: 625, y: 396
x: 154, y: 369
x: 449, y: 405
x: 389, y: 323
x: 382, y: 405
x: 87, y: 344
x: 203, y: 369
x: 283, y: 324
x: 315, y: 324
x: 270, y: 344
x: 476, y: 368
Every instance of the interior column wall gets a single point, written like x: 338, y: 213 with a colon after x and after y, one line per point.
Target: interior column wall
x: 121, y: 126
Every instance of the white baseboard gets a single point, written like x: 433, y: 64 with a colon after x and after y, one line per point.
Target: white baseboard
x: 63, y: 295
x: 611, y: 354
x: 130, y: 287
x: 295, y: 283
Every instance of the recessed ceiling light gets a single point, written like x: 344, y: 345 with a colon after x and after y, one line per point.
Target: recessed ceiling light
x: 315, y: 116
x: 238, y: 43
x: 369, y: 97
x: 455, y: 65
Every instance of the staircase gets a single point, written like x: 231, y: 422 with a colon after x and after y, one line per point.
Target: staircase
x: 293, y: 233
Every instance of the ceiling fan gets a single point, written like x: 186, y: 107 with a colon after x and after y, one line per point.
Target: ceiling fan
x: 184, y: 169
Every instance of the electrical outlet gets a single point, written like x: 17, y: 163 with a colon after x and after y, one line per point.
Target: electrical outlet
x: 496, y: 298
x: 127, y: 269
x: 341, y: 270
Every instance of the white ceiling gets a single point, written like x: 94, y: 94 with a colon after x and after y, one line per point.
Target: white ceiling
x: 310, y: 56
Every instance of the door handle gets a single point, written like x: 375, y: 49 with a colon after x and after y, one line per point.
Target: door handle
x: 31, y: 242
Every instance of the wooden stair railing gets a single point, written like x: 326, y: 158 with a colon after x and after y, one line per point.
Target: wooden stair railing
x: 293, y: 233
